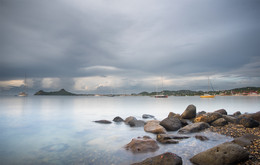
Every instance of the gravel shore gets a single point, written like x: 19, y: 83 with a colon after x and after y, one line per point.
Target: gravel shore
x: 235, y: 131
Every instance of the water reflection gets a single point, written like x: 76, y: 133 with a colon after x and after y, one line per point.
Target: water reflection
x: 59, y: 130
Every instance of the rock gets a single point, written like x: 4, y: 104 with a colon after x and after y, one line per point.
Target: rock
x: 208, y: 117
x: 184, y: 122
x: 247, y: 122
x: 171, y: 124
x: 201, y: 138
x: 195, y: 127
x: 170, y: 139
x: 189, y: 113
x: 237, y: 113
x: 224, y: 154
x: 142, y: 145
x: 256, y: 116
x: 147, y: 116
x: 130, y: 118
x: 200, y: 113
x: 245, y: 140
x: 230, y: 119
x: 219, y: 122
x: 154, y: 126
x: 177, y: 116
x: 221, y: 111
x: 136, y: 123
x: 118, y: 119
x: 103, y: 121
x: 167, y: 158
x: 171, y: 114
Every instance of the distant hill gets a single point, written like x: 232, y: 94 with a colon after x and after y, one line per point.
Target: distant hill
x: 61, y: 92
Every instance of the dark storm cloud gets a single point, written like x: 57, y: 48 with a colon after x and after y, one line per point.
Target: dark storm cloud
x: 134, y: 40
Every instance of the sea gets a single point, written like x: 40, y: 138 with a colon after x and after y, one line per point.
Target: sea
x: 59, y: 130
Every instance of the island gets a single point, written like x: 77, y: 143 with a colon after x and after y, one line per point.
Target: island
x: 61, y: 92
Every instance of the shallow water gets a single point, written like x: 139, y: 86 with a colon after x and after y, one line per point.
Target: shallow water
x: 60, y: 129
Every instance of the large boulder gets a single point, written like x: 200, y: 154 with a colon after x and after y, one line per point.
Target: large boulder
x: 221, y: 111
x: 171, y: 124
x: 245, y: 140
x: 189, y: 113
x: 170, y: 139
x: 247, y: 122
x: 230, y: 119
x: 237, y: 113
x: 208, y: 117
x: 118, y: 119
x: 142, y: 145
x: 167, y: 158
x: 195, y: 127
x: 171, y: 114
x: 219, y: 122
x: 154, y: 126
x: 256, y: 116
x: 224, y: 154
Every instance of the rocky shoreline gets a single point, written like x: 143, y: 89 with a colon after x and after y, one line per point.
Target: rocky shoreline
x: 244, y: 128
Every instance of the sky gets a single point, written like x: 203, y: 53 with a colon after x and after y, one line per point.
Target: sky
x: 129, y: 46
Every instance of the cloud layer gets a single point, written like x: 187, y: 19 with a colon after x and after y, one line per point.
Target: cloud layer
x: 130, y: 45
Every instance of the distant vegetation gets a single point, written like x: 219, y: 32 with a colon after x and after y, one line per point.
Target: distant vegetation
x: 62, y: 92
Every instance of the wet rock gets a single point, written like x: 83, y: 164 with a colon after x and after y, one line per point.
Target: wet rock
x: 219, y: 122
x: 103, y: 121
x: 130, y: 118
x: 230, y: 119
x: 195, y: 127
x: 136, y: 123
x: 154, y: 126
x: 167, y: 158
x: 201, y: 138
x: 142, y: 145
x: 177, y: 116
x: 147, y: 116
x: 247, y: 122
x: 224, y: 154
x: 184, y: 122
x: 245, y: 140
x: 189, y: 113
x: 171, y: 124
x: 170, y: 139
x: 237, y: 113
x: 256, y: 116
x: 171, y: 115
x: 208, y: 117
x: 118, y: 119
x: 221, y: 111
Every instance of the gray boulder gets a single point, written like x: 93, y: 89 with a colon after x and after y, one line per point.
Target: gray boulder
x: 147, y: 116
x: 103, y: 121
x: 171, y: 114
x: 118, y: 119
x: 189, y: 113
x: 195, y: 127
x: 219, y: 122
x: 128, y: 119
x: 142, y: 145
x: 245, y: 140
x: 167, y: 158
x: 136, y: 123
x: 154, y: 126
x: 224, y: 154
x: 171, y: 124
x: 237, y: 113
x: 230, y: 119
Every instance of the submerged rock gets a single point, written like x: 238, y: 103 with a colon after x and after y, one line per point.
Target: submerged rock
x: 154, y: 126
x: 136, y: 123
x: 201, y: 138
x: 147, y: 116
x: 170, y: 139
x: 189, y: 113
x: 224, y: 154
x: 195, y: 127
x: 171, y: 124
x: 103, y: 121
x: 130, y: 118
x: 167, y: 158
x: 118, y: 119
x: 142, y: 145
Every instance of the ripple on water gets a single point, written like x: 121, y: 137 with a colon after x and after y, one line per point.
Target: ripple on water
x: 60, y: 147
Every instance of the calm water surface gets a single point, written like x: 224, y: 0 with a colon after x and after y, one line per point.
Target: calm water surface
x: 60, y: 130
